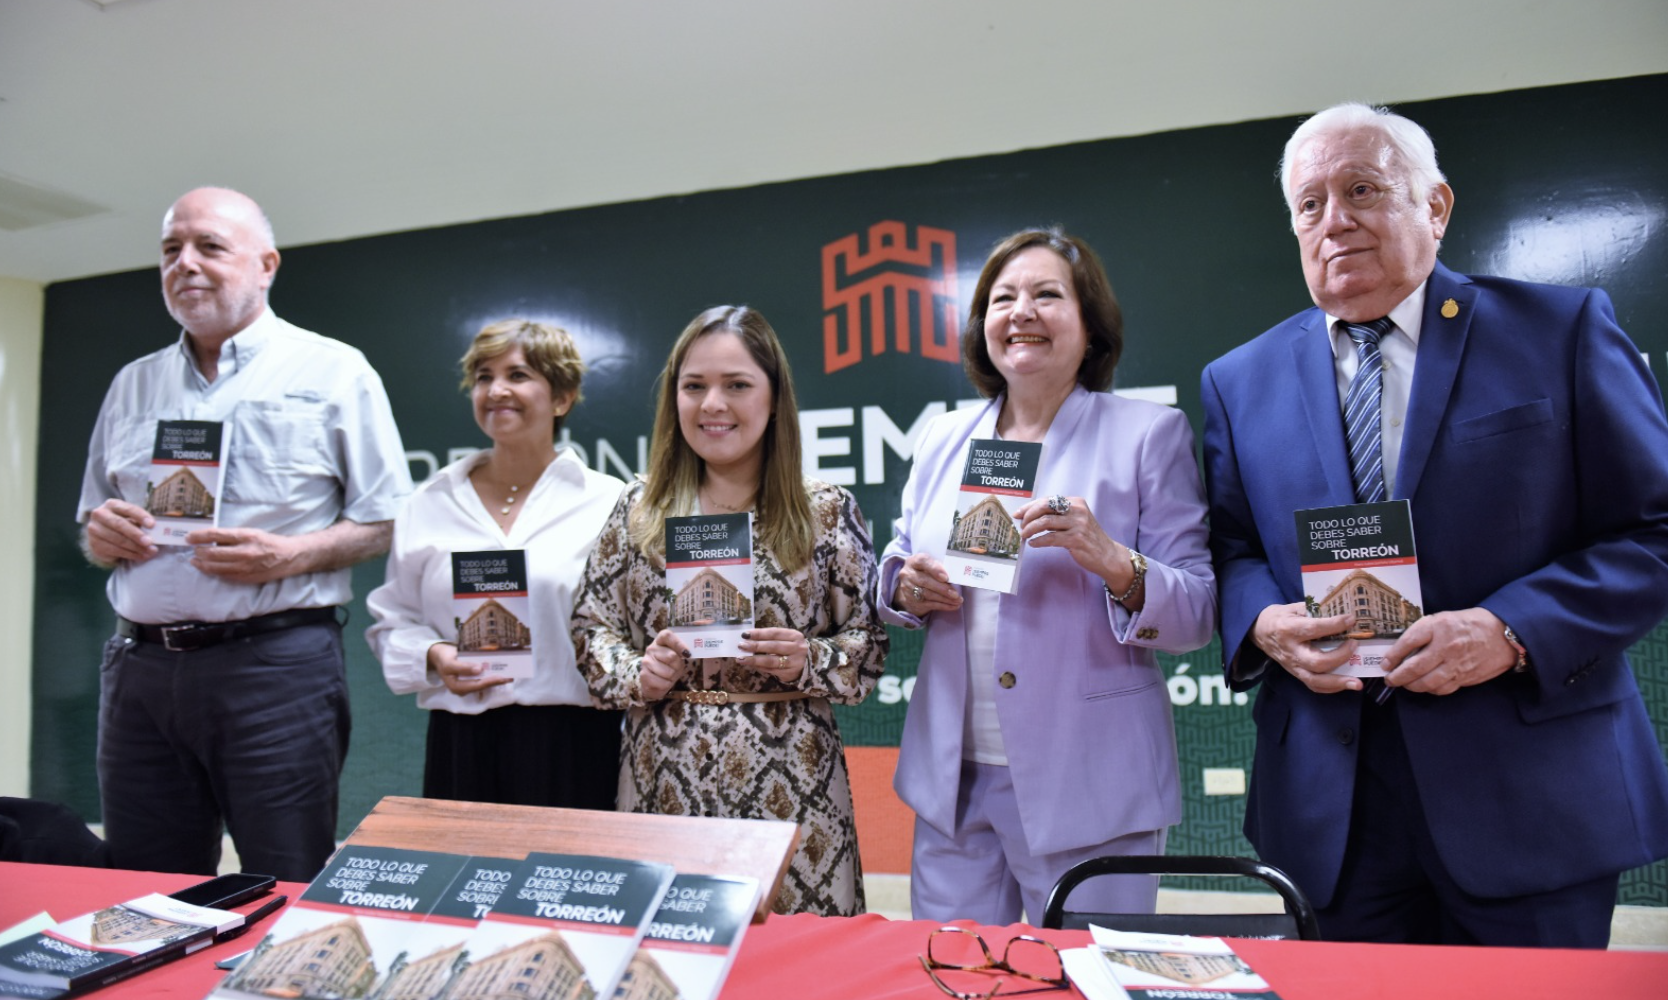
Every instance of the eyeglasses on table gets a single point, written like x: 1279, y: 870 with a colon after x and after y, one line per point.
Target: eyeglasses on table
x: 1026, y: 957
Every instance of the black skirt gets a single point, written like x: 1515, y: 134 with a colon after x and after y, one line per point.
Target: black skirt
x: 525, y: 755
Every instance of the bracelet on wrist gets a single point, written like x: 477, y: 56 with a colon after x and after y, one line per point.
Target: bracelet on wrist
x: 1138, y: 563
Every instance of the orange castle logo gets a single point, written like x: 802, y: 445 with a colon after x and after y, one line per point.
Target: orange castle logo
x: 896, y: 285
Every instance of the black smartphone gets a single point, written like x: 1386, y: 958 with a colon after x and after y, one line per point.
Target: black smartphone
x: 226, y: 891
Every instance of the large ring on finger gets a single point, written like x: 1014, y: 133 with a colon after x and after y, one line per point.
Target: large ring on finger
x: 915, y: 592
x: 781, y: 661
x: 1059, y: 504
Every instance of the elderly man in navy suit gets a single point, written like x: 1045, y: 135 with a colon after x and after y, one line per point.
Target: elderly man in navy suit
x: 1491, y: 788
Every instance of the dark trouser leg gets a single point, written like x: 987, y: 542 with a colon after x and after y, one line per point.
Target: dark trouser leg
x: 274, y: 745
x: 1394, y: 887
x: 158, y: 807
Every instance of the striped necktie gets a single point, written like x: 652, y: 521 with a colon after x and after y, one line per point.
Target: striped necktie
x: 1362, y: 411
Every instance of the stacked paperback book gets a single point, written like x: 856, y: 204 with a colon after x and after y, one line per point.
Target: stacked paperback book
x: 1123, y: 965
x: 108, y: 945
x: 390, y: 923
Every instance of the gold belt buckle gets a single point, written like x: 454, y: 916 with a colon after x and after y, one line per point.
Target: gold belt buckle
x: 719, y: 697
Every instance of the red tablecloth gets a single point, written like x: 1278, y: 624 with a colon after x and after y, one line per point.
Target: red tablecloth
x: 870, y: 957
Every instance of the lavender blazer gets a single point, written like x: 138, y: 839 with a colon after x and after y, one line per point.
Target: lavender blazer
x: 1087, y: 725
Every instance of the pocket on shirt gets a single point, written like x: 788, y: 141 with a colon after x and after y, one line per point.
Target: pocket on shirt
x: 128, y: 458
x: 276, y: 446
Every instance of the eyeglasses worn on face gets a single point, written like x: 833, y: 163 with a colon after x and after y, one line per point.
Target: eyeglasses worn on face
x: 1024, y: 956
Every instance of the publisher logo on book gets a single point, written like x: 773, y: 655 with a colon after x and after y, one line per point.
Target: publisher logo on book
x: 896, y: 285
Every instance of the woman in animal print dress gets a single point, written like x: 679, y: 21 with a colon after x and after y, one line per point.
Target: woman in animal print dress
x: 751, y: 736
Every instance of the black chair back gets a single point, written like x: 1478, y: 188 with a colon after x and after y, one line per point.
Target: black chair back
x: 46, y: 833
x: 1298, y: 920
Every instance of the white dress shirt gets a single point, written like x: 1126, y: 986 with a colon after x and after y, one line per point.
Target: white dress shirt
x: 558, y: 526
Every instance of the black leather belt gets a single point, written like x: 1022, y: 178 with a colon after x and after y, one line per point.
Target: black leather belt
x: 183, y: 637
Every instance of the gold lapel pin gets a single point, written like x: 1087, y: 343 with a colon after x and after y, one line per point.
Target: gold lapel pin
x: 1450, y: 309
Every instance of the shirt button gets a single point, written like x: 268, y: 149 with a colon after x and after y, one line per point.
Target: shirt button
x: 1346, y: 736
x: 1007, y: 679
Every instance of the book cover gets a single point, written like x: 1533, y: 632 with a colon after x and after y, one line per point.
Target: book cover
x: 1161, y: 967
x: 491, y: 608
x: 693, y: 939
x: 709, y: 572
x: 1359, y: 559
x: 109, y: 944
x: 566, y: 927
x: 985, y: 547
x: 183, y: 488
x: 476, y: 890
x: 360, y: 929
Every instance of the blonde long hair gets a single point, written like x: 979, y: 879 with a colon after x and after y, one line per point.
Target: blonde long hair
x: 783, y: 510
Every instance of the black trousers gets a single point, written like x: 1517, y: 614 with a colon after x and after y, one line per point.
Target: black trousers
x: 248, y: 737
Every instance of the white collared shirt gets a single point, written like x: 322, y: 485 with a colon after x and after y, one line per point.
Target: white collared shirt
x: 563, y: 513
x: 1397, y: 349
x: 313, y: 442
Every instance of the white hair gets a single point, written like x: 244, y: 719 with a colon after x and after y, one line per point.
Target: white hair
x: 1411, y: 144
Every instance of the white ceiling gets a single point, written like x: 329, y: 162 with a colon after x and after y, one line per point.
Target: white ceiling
x: 346, y: 118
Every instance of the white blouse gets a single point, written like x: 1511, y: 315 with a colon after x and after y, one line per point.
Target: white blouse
x: 564, y: 513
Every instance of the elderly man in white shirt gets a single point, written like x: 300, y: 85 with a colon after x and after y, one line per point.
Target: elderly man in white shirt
x: 223, y: 701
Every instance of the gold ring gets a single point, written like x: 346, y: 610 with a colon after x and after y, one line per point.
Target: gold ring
x: 782, y: 661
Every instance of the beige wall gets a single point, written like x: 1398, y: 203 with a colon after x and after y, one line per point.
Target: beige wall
x: 20, y: 404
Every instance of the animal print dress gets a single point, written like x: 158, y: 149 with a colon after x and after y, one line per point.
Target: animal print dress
x: 766, y: 760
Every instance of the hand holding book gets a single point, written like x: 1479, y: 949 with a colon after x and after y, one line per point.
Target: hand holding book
x: 118, y: 531
x: 924, y: 587
x: 458, y: 676
x: 1290, y: 638
x: 244, y: 555
x: 665, y: 662
x: 781, y: 653
x: 1068, y: 523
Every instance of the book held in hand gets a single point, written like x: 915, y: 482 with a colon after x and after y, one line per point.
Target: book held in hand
x: 1358, y: 559
x: 361, y: 928
x: 108, y: 945
x: 491, y: 608
x: 567, y: 926
x: 693, y: 939
x: 709, y: 571
x: 183, y: 489
x: 1122, y: 964
x: 985, y: 547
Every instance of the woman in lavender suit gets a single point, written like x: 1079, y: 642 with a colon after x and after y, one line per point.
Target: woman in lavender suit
x: 1039, y: 731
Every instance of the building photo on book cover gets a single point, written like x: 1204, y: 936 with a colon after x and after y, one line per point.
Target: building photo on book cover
x: 709, y: 571
x: 360, y: 927
x: 183, y: 486
x: 1358, y: 559
x: 565, y: 928
x: 985, y: 546
x: 491, y: 605
x: 692, y: 941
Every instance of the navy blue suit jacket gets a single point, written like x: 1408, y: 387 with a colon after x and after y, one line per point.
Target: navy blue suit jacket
x: 1535, y: 455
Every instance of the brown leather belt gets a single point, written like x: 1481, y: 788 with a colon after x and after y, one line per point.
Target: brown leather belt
x: 735, y: 697
x: 184, y: 637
